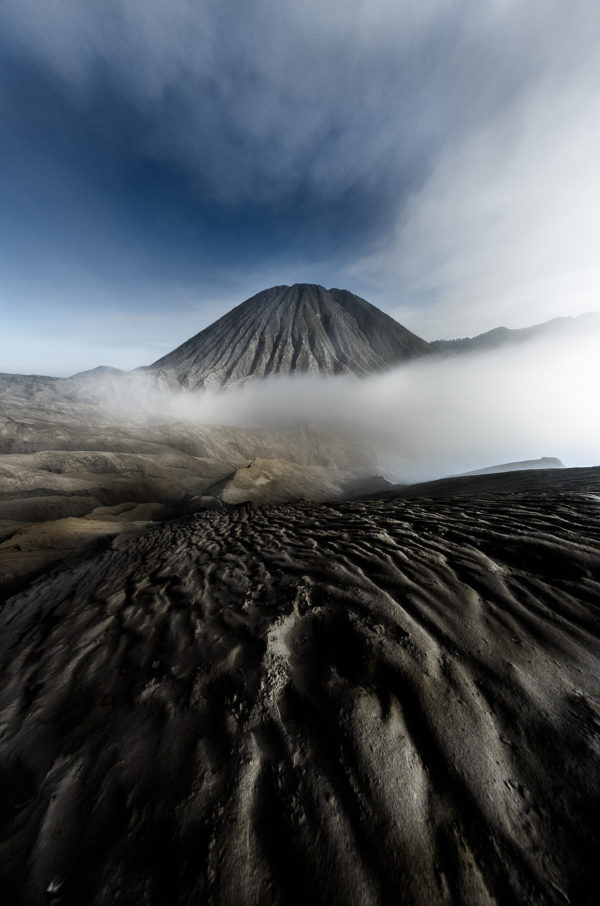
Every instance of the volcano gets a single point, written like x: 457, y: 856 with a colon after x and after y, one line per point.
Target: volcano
x: 303, y: 328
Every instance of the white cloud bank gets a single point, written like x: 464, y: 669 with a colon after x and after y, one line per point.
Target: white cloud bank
x: 435, y: 417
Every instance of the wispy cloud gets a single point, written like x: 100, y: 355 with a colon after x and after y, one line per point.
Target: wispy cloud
x: 258, y: 101
x: 441, y: 159
x: 506, y: 227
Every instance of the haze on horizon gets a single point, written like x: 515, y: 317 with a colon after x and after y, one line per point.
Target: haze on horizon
x: 427, y: 418
x: 161, y: 163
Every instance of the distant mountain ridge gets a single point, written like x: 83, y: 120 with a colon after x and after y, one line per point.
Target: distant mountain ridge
x: 284, y: 330
x: 303, y: 328
x: 544, y: 462
x: 502, y: 336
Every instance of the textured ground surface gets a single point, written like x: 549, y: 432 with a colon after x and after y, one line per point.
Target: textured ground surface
x: 74, y: 473
x: 368, y: 703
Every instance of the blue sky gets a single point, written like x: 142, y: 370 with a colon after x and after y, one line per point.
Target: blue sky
x: 162, y: 162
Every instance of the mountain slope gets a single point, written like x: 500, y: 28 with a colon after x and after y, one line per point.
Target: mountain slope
x: 544, y: 462
x: 500, y: 336
x: 287, y: 329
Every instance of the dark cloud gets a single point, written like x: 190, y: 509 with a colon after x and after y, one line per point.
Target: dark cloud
x: 211, y: 144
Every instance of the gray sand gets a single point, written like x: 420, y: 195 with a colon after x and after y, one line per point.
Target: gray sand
x: 363, y: 703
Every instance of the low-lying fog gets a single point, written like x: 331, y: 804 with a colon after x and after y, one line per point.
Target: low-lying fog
x: 437, y: 416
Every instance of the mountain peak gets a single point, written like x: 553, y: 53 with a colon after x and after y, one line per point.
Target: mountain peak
x: 303, y: 328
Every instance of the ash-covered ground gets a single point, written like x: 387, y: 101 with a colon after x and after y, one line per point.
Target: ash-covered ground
x: 379, y: 702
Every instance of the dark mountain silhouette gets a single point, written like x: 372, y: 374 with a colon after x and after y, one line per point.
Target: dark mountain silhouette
x: 290, y: 329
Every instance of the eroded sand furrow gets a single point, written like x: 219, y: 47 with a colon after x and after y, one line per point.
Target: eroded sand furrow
x: 379, y: 702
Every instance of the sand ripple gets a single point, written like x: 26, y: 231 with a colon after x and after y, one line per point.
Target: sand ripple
x: 368, y: 703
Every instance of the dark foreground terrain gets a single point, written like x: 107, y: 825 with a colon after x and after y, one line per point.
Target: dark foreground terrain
x: 379, y: 702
